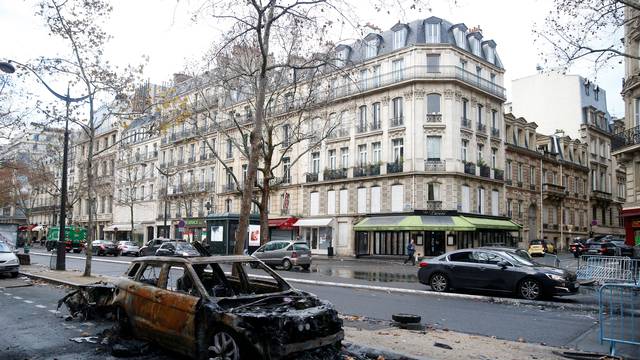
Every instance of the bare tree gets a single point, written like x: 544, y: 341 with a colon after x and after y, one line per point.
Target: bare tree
x: 586, y: 29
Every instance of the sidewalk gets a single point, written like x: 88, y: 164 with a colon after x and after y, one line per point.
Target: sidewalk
x: 68, y: 277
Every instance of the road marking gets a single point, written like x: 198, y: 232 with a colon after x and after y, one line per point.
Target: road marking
x: 88, y: 324
x: 8, y: 294
x: 17, y: 297
x: 41, y: 306
x: 28, y: 301
x: 54, y: 312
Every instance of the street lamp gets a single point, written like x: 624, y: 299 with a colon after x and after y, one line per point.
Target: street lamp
x: 166, y: 175
x: 7, y: 67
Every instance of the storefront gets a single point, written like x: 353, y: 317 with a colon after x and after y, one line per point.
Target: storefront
x: 318, y: 233
x: 193, y: 230
x: 221, y: 232
x: 631, y: 226
x: 433, y: 233
x: 282, y: 229
x: 117, y: 232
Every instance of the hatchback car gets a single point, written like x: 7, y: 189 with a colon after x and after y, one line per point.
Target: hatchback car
x: 151, y: 246
x: 176, y: 248
x: 9, y: 263
x: 285, y: 253
x: 541, y: 247
x: 211, y: 307
x: 605, y: 248
x: 104, y: 247
x: 621, y: 249
x: 128, y: 248
x: 495, y: 270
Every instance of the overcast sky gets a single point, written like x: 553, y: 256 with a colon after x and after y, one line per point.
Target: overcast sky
x: 162, y: 30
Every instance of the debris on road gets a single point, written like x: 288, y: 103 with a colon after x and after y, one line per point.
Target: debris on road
x: 87, y: 339
x: 90, y: 301
x: 442, y: 346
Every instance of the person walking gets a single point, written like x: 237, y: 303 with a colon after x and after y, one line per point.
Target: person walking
x: 411, y: 250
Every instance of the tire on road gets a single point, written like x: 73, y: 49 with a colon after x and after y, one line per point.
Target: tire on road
x: 530, y: 289
x: 305, y: 267
x: 406, y: 318
x: 286, y: 264
x: 14, y: 274
x: 439, y: 282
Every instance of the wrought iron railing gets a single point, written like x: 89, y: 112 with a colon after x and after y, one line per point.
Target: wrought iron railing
x: 434, y: 165
x: 626, y: 138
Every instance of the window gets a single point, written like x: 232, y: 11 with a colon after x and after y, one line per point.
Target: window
x: 399, y: 38
x: 637, y: 111
x: 286, y: 135
x: 372, y: 48
x: 432, y: 33
x: 228, y: 205
x: 480, y: 153
x: 375, y: 108
x: 229, y: 177
x: 475, y: 45
x: 362, y: 118
x: 363, y: 79
x: 314, y: 203
x: 495, y: 201
x: 331, y: 202
x: 433, y: 192
x: 362, y: 155
x: 532, y: 175
x: 375, y: 199
x: 398, y: 150
x: 397, y: 198
x: 344, y: 201
x: 465, y: 107
x: 362, y: 200
x: 433, y: 104
x: 480, y: 114
x: 315, y: 162
x: 508, y: 171
x: 494, y: 157
x: 463, y: 152
x: 332, y: 159
x: 480, y: 201
x: 376, y: 149
x: 520, y: 172
x: 466, y: 203
x: 433, y: 63
x: 245, y: 171
x: 286, y: 170
x: 375, y: 76
x: 460, y: 36
x: 344, y: 157
x: 229, y: 149
x: 397, y: 111
x: 433, y: 148
x: 397, y: 67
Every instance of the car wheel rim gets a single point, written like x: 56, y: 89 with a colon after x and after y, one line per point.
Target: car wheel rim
x: 224, y: 347
x: 530, y: 290
x: 439, y: 283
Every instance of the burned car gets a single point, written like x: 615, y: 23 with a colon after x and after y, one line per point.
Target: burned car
x: 221, y: 307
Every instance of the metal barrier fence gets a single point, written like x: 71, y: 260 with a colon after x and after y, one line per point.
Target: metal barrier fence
x: 619, y: 315
x: 607, y: 269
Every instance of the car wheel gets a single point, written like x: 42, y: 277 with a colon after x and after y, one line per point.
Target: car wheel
x: 223, y: 345
x: 14, y: 275
x: 305, y: 267
x: 530, y: 289
x: 439, y: 282
x: 286, y: 264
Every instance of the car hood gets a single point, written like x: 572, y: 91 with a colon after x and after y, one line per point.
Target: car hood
x: 6, y: 256
x: 552, y: 270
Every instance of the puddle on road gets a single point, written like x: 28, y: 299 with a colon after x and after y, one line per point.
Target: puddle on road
x: 375, y: 276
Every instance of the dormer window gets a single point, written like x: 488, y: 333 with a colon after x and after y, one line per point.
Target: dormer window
x: 400, y: 38
x: 489, y: 50
x: 460, y: 36
x: 474, y: 42
x: 432, y: 33
x: 342, y: 56
x: 371, y: 42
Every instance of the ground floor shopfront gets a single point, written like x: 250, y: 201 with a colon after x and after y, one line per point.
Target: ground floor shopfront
x: 631, y: 226
x: 433, y: 234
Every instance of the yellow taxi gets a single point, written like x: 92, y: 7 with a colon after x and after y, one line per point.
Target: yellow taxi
x: 540, y: 247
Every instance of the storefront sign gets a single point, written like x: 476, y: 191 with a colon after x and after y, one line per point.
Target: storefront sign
x: 635, y: 224
x: 194, y: 222
x: 254, y: 235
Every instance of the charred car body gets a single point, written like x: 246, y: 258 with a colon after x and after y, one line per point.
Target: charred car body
x: 222, y: 307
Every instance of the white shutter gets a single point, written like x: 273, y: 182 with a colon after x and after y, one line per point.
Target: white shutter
x: 344, y: 201
x: 331, y: 202
x: 362, y: 200
x: 375, y: 199
x: 343, y: 234
x: 465, y: 199
x: 397, y: 198
x: 314, y: 203
x: 495, y: 200
x: 481, y: 198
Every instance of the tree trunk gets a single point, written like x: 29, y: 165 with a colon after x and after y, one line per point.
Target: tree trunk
x: 90, y: 191
x: 264, y: 211
x: 255, y: 139
x: 131, y: 213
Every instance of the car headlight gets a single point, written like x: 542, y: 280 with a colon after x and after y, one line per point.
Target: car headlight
x: 555, y: 277
x: 12, y: 262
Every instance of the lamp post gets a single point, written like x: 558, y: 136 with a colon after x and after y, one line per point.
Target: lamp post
x: 8, y: 67
x: 166, y: 175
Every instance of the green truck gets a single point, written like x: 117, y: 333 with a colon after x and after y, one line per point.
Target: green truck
x: 75, y: 238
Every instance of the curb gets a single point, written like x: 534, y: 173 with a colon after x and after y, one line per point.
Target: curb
x: 50, y: 279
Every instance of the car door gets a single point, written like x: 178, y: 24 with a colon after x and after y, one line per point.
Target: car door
x: 460, y: 269
x: 493, y: 277
x: 142, y: 305
x: 267, y: 254
x: 176, y: 308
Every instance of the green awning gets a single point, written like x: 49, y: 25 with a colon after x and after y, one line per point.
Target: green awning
x: 484, y: 223
x: 414, y: 223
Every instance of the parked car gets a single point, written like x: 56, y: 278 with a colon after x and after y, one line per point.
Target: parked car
x: 285, y: 253
x: 495, y: 270
x: 151, y: 246
x: 601, y: 248
x: 210, y: 307
x: 9, y: 263
x: 176, y: 248
x: 104, y: 247
x: 578, y: 246
x: 128, y: 248
x: 541, y: 247
x: 513, y: 251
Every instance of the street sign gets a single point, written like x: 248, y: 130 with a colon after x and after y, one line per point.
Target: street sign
x: 181, y: 223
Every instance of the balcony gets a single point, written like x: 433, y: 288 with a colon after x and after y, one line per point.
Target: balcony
x: 433, y: 205
x: 280, y: 180
x: 228, y: 187
x: 396, y: 121
x: 180, y: 162
x: 465, y: 123
x: 335, y: 174
x: 601, y: 195
x: 394, y: 167
x: 375, y: 126
x: 433, y: 165
x: 312, y: 177
x: 366, y: 170
x: 495, y: 132
x: 470, y: 168
x: 203, y: 157
x: 192, y: 159
x: 553, y: 191
x: 434, y: 118
x: 482, y: 128
x: 498, y: 174
x: 361, y: 128
x: 626, y: 138
x: 338, y: 133
x: 485, y: 171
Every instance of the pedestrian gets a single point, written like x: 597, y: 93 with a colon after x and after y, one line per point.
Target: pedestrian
x: 411, y: 250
